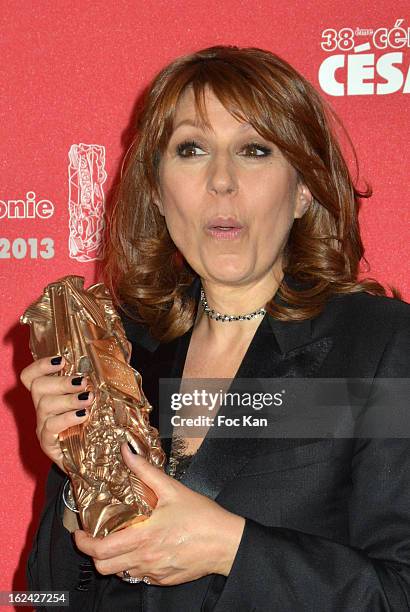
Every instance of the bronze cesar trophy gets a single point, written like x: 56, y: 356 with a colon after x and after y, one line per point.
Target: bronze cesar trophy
x: 83, y: 326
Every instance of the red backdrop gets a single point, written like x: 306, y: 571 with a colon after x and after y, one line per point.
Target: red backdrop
x: 71, y: 73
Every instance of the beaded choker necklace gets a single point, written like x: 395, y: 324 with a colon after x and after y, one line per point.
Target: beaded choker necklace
x: 213, y: 314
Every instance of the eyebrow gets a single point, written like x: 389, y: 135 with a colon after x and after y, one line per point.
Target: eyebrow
x: 243, y: 127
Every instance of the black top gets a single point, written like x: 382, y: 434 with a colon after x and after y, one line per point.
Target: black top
x: 327, y: 521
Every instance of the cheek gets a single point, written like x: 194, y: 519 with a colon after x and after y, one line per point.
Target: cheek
x: 180, y: 213
x: 273, y: 203
x: 177, y: 202
x: 273, y: 213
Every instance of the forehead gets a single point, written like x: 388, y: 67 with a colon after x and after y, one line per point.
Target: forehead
x: 188, y: 112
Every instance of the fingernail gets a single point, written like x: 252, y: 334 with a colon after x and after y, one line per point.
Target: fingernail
x: 80, y: 413
x: 56, y: 360
x: 84, y: 395
x: 77, y: 381
x: 132, y: 449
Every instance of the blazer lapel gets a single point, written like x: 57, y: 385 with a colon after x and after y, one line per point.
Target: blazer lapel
x: 278, y: 349
x: 218, y: 460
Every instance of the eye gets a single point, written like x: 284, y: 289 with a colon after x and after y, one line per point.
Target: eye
x: 254, y: 147
x: 189, y: 148
x: 186, y: 148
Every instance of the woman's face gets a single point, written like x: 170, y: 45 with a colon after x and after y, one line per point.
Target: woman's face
x: 229, y: 196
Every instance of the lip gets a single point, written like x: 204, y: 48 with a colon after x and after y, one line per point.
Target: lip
x: 217, y: 222
x: 224, y: 234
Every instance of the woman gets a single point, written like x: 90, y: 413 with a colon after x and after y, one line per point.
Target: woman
x: 235, y: 184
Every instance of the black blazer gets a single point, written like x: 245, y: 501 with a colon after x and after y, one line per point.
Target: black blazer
x: 327, y: 520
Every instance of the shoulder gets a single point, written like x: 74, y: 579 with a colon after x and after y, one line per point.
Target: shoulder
x: 372, y: 332
x: 371, y: 313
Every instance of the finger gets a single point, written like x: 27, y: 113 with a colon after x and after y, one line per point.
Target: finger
x: 152, y: 476
x: 51, y: 405
x: 58, y: 385
x: 122, y: 542
x: 145, y: 563
x: 48, y: 434
x: 117, y: 564
x: 41, y: 367
x: 142, y: 567
x: 54, y: 425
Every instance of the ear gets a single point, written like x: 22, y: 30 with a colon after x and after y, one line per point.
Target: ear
x: 160, y: 207
x: 303, y: 200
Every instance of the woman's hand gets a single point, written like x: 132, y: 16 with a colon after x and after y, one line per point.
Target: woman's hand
x: 58, y: 403
x: 186, y: 537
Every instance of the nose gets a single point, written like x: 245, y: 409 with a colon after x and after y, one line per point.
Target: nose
x: 222, y: 178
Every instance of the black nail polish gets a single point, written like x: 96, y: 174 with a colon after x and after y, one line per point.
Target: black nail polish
x: 80, y: 413
x: 132, y: 449
x: 84, y: 395
x: 56, y: 360
x: 77, y: 381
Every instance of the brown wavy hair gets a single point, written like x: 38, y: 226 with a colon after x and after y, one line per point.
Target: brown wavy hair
x: 144, y: 269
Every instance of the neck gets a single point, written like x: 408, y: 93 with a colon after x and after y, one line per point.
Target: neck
x: 234, y: 300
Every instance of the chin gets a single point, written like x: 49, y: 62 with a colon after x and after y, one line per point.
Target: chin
x: 228, y: 274
x: 224, y: 268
